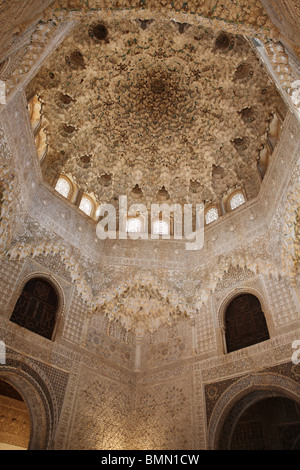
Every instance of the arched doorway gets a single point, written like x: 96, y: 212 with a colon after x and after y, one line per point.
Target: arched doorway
x: 15, y: 424
x: 24, y: 380
x: 271, y: 423
x: 233, y: 403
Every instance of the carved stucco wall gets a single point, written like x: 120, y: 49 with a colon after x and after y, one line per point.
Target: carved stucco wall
x: 164, y: 405
x: 103, y: 412
x: 18, y: 20
x: 285, y: 16
x: 167, y: 405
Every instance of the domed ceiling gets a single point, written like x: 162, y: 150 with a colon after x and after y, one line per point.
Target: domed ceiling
x: 155, y: 110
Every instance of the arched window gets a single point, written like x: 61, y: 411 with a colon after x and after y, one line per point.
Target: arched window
x: 86, y: 205
x: 63, y: 187
x: 133, y: 225
x: 236, y: 200
x: 245, y: 323
x: 97, y: 212
x: 161, y: 227
x: 211, y: 215
x: 34, y: 110
x: 37, y: 307
x: 41, y: 143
